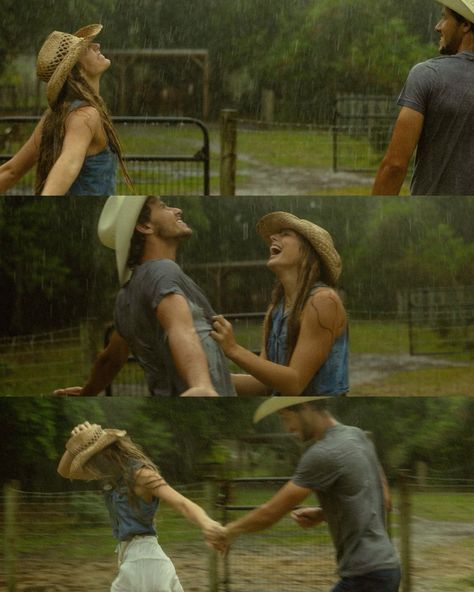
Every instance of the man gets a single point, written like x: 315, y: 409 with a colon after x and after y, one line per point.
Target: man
x: 437, y: 115
x: 341, y: 467
x: 161, y: 315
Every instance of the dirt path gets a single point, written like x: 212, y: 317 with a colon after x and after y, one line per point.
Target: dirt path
x: 442, y: 561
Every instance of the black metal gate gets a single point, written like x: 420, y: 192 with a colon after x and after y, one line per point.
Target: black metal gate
x: 173, y: 159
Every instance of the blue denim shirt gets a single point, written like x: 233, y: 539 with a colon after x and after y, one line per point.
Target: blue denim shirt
x: 129, y: 519
x: 98, y: 173
x: 332, y: 378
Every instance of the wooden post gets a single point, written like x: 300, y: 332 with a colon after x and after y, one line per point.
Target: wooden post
x: 211, y: 502
x: 268, y: 105
x: 10, y: 536
x: 405, y: 518
x: 228, y: 151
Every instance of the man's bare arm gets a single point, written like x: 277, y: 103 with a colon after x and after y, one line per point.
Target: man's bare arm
x: 394, y: 166
x: 108, y: 364
x: 175, y: 317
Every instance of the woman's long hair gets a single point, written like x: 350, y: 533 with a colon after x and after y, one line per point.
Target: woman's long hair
x: 120, y: 461
x: 76, y: 87
x: 310, y: 271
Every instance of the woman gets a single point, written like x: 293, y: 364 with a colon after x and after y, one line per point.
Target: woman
x: 75, y: 146
x: 133, y: 488
x: 305, y: 330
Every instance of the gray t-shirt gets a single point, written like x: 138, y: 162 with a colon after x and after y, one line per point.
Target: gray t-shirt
x: 343, y: 470
x: 136, y: 322
x: 443, y: 90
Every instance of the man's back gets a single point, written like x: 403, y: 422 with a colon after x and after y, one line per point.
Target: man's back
x: 442, y: 89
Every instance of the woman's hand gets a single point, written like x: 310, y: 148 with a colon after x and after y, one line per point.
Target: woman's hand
x: 82, y: 426
x: 223, y: 334
x: 216, y: 536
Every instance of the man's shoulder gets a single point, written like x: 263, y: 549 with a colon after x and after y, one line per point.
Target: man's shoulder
x: 153, y: 268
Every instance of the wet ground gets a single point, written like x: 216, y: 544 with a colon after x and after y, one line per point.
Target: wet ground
x: 263, y: 179
x: 442, y: 561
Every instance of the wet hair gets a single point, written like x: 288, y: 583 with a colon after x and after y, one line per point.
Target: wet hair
x: 137, y: 242
x: 311, y: 270
x: 461, y: 19
x: 120, y: 461
x: 76, y: 87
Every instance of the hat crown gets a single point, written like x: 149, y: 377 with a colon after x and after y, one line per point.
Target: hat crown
x: 54, y: 50
x: 84, y: 440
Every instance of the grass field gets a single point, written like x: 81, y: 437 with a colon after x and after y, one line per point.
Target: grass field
x: 45, y: 366
x: 296, y: 149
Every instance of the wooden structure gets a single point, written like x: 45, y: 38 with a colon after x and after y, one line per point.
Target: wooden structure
x: 123, y: 58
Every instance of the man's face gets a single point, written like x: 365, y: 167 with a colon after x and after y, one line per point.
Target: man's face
x: 298, y: 423
x: 451, y: 33
x: 166, y: 221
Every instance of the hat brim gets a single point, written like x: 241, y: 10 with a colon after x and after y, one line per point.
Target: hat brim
x: 116, y: 226
x: 274, y: 404
x: 318, y: 237
x: 57, y: 80
x: 460, y: 7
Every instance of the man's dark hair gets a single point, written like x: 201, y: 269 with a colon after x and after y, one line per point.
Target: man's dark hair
x: 461, y: 19
x: 137, y: 242
x: 316, y: 404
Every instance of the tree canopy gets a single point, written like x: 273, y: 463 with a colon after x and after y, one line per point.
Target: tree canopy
x: 304, y: 50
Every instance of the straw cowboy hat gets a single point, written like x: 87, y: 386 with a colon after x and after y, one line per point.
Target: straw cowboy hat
x: 59, y: 54
x: 319, y: 238
x: 463, y: 7
x: 83, y: 445
x: 274, y: 404
x: 116, y: 225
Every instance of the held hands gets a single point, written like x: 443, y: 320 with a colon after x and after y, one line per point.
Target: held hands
x: 307, y: 517
x: 223, y: 334
x: 217, y: 536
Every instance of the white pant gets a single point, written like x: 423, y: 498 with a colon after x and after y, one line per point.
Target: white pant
x: 144, y: 567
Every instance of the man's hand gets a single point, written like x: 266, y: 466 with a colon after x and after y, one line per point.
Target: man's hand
x: 307, y: 517
x: 217, y: 537
x: 75, y: 391
x: 199, y: 391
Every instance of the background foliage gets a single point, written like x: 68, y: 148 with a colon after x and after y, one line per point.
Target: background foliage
x: 192, y: 439
x: 305, y: 50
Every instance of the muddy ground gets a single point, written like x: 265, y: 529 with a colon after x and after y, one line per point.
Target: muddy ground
x: 442, y: 561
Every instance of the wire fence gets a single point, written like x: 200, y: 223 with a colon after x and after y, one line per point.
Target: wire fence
x: 61, y: 541
x: 40, y: 363
x: 164, y: 155
x: 283, y: 558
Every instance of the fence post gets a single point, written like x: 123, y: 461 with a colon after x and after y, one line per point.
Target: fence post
x: 228, y: 129
x: 10, y: 540
x: 211, y: 500
x: 405, y: 519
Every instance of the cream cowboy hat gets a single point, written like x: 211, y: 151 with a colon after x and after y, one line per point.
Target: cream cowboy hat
x: 59, y: 54
x: 116, y: 225
x: 319, y: 238
x: 273, y: 404
x: 86, y: 443
x: 463, y: 7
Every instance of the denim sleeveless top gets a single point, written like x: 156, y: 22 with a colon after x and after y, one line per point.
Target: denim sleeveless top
x: 98, y: 172
x: 332, y: 378
x: 129, y: 519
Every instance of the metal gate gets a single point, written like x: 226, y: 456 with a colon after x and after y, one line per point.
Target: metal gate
x: 441, y: 320
x: 173, y: 159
